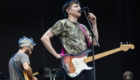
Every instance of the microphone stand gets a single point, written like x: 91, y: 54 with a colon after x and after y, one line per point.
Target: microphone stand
x: 93, y: 35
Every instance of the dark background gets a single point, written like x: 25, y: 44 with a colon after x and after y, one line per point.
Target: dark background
x: 117, y: 21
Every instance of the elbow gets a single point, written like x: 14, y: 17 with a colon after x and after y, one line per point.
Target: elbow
x: 26, y: 68
x: 95, y: 44
x: 43, y: 38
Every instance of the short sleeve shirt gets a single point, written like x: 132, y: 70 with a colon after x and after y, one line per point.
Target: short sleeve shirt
x: 71, y: 35
x: 19, y: 59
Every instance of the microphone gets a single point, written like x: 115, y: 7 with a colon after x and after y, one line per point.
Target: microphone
x: 82, y: 9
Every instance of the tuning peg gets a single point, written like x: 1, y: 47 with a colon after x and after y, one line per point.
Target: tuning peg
x: 126, y: 42
x: 129, y: 43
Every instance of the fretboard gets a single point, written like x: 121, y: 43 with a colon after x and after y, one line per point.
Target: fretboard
x: 100, y: 55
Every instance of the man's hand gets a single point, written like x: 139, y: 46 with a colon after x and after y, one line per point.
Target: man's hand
x: 92, y: 18
x: 34, y: 78
x: 58, y: 56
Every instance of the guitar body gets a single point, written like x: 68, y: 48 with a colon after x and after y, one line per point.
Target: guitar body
x: 25, y: 76
x: 74, y: 64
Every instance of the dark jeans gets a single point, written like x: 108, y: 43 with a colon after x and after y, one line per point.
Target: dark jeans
x: 85, y: 75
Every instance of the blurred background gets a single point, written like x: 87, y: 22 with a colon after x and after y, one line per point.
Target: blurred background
x: 117, y: 21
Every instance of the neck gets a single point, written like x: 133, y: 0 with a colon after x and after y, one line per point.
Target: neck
x: 21, y: 51
x: 73, y: 19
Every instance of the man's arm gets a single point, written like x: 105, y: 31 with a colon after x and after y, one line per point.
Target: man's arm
x: 47, y: 43
x: 28, y: 70
x: 96, y: 34
x: 92, y: 18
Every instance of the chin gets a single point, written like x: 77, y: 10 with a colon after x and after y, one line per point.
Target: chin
x: 30, y: 53
x: 78, y: 16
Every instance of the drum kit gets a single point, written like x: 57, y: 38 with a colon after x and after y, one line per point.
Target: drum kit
x: 3, y: 76
x: 50, y: 73
x: 46, y: 73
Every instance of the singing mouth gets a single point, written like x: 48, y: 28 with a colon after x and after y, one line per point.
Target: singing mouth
x: 78, y: 11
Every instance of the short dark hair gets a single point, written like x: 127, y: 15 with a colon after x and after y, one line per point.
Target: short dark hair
x: 67, y: 5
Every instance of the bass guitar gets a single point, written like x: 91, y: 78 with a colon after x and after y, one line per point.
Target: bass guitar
x: 73, y: 65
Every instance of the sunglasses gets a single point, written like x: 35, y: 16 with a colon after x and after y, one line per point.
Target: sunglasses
x: 30, y: 48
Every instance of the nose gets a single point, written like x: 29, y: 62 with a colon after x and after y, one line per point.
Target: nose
x: 79, y: 7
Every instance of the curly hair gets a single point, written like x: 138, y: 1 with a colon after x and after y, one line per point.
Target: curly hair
x: 24, y: 41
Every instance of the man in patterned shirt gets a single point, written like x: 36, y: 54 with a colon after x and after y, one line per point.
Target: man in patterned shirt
x: 71, y: 35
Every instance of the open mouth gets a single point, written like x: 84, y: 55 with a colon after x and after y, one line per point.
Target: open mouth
x: 78, y: 11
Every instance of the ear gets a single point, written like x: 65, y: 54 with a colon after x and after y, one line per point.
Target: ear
x: 25, y: 47
x: 68, y: 10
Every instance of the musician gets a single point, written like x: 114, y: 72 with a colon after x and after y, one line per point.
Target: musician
x: 71, y: 35
x: 21, y: 60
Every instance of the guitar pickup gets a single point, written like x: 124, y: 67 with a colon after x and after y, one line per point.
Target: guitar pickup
x: 67, y: 66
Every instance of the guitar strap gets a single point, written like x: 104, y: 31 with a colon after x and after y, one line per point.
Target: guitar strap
x: 85, y: 34
x: 16, y: 67
x: 62, y: 51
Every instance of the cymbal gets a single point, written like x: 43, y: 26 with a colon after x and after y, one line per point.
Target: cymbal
x: 55, y: 69
x: 56, y: 72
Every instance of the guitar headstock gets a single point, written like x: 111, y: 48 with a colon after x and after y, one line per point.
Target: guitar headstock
x: 126, y: 47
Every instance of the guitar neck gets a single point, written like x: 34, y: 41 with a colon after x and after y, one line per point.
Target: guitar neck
x: 100, y: 55
x: 36, y: 73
